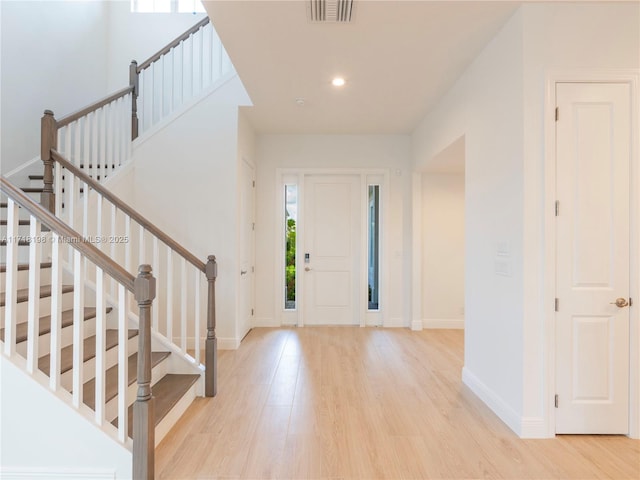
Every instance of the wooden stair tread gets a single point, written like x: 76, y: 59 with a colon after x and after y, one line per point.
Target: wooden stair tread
x: 167, y: 393
x: 32, y: 189
x: 45, y: 291
x: 89, y: 351
x: 3, y: 204
x: 45, y: 323
x: 23, y: 266
x: 36, y: 177
x: 111, y: 378
x: 21, y: 243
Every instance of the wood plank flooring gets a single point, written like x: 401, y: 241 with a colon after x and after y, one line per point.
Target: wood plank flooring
x: 342, y: 403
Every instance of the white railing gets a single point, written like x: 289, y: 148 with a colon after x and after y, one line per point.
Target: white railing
x: 178, y: 73
x: 98, y: 138
x: 79, y: 264
x: 182, y: 311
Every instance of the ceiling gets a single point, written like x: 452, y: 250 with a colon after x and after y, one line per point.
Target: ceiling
x: 398, y: 58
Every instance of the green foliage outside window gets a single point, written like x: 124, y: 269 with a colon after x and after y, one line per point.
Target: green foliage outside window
x: 290, y: 268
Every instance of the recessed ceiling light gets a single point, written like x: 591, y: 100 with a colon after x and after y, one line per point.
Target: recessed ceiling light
x: 338, y: 82
x: 300, y: 102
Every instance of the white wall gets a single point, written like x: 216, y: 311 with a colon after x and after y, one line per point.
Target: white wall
x: 442, y: 250
x: 498, y: 104
x: 45, y: 66
x: 391, y: 152
x: 486, y: 106
x: 137, y: 36
x: 185, y: 181
x: 47, y: 439
x: 560, y: 38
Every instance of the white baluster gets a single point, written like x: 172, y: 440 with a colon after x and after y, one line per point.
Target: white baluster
x: 173, y: 79
x: 109, y: 141
x: 98, y: 239
x: 127, y: 246
x: 112, y: 244
x: 86, y: 142
x: 142, y: 102
x: 169, y: 295
x: 141, y: 245
x: 68, y: 151
x: 197, y: 286
x: 182, y: 81
x: 57, y: 185
x: 102, y: 157
x: 11, y: 276
x: 183, y: 305
x: 85, y: 211
x: 100, y: 346
x: 71, y: 197
x: 161, y: 106
x: 56, y: 311
x: 117, y: 118
x: 95, y: 145
x: 156, y: 272
x: 123, y: 365
x: 78, y: 327
x: 201, y: 66
x: 33, y: 317
x: 77, y: 142
x: 154, y: 106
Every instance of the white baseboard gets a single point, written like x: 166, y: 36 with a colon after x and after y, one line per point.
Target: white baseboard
x: 534, y: 427
x: 450, y: 323
x: 493, y: 401
x: 22, y: 473
x: 416, y: 325
x: 265, y: 322
x: 228, y: 343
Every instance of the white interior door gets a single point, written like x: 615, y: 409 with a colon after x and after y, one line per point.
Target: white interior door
x: 593, y: 246
x: 332, y: 243
x: 247, y: 242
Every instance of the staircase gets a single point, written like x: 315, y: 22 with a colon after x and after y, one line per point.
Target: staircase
x: 96, y: 303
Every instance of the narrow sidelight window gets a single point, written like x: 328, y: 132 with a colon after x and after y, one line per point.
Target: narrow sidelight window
x: 374, y: 246
x: 291, y: 217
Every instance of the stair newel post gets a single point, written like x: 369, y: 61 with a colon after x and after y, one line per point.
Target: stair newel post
x: 143, y: 408
x: 48, y: 142
x: 211, y: 346
x: 134, y: 81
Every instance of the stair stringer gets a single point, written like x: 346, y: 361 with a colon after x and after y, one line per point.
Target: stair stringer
x: 43, y: 438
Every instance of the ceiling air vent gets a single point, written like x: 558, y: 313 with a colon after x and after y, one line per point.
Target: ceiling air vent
x: 330, y: 11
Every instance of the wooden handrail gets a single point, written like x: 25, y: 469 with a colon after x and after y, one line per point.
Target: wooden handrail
x: 74, y: 239
x: 173, y: 44
x: 64, y: 121
x: 146, y: 224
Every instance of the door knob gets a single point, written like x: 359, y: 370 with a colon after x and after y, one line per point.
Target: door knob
x: 307, y: 269
x: 620, y: 302
x: 243, y: 272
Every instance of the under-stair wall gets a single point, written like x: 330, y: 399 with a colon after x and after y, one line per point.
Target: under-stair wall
x: 194, y: 157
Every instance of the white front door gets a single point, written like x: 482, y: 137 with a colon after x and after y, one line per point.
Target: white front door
x: 247, y: 242
x: 593, y: 246
x: 331, y: 249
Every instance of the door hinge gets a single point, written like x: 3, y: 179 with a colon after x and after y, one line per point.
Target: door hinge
x: 253, y: 183
x: 556, y: 400
x: 557, y: 114
x: 556, y: 304
x: 253, y: 226
x: 252, y: 312
x: 631, y: 302
x: 253, y: 269
x: 557, y: 207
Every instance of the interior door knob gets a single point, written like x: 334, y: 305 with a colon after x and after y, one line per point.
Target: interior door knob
x: 307, y: 269
x: 620, y: 302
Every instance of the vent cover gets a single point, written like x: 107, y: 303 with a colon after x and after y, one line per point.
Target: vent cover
x: 330, y: 11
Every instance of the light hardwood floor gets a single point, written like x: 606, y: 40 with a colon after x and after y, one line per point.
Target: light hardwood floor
x: 341, y: 402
